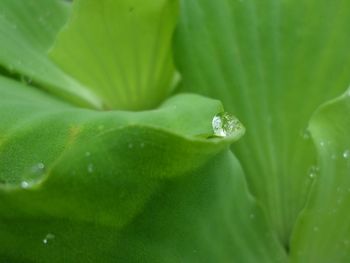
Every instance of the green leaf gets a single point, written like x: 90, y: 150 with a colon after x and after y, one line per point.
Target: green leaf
x: 27, y: 30
x: 72, y: 177
x: 204, y: 216
x: 272, y: 63
x: 323, y: 232
x: 121, y: 50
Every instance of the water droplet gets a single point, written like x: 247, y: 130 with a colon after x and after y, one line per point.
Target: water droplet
x: 130, y: 145
x: 90, y: 168
x: 305, y: 134
x: 225, y: 124
x: 316, y: 229
x: 252, y: 216
x: 24, y: 184
x: 322, y: 143
x: 346, y: 154
x: 48, y: 237
x: 38, y: 169
x: 26, y: 80
x: 313, y: 171
x: 87, y: 154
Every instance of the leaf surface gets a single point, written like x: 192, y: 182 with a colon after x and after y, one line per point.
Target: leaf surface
x: 121, y: 50
x: 272, y: 63
x: 27, y: 30
x: 323, y: 231
x: 71, y: 177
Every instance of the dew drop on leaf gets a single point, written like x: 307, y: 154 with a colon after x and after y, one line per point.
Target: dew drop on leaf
x: 305, y: 134
x: 49, y: 237
x: 38, y: 169
x: 90, y: 168
x: 26, y: 80
x: 346, y: 154
x: 313, y: 171
x: 225, y: 124
x: 24, y: 184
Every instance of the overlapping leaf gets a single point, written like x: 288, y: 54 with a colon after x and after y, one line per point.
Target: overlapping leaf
x: 323, y: 230
x: 273, y: 63
x: 27, y: 30
x: 121, y: 50
x: 71, y: 176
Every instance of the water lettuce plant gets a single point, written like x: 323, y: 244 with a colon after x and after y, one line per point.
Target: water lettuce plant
x: 107, y: 150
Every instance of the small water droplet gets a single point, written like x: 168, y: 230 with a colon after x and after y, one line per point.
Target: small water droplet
x: 316, y: 229
x: 346, y: 154
x: 26, y: 80
x: 24, y: 184
x: 90, y: 168
x: 322, y: 143
x: 225, y: 124
x: 252, y: 216
x: 305, y: 134
x: 49, y: 237
x: 87, y: 154
x: 38, y: 168
x: 313, y: 171
x: 130, y: 145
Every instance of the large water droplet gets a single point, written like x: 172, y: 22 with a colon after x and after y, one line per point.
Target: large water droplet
x: 48, y: 237
x: 225, y: 124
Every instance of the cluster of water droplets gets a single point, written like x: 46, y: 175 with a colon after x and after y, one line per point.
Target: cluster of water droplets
x: 225, y: 124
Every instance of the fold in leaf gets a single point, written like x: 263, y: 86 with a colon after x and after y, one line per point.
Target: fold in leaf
x: 119, y: 151
x: 121, y: 50
x: 72, y: 176
x: 323, y: 230
x: 27, y: 30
